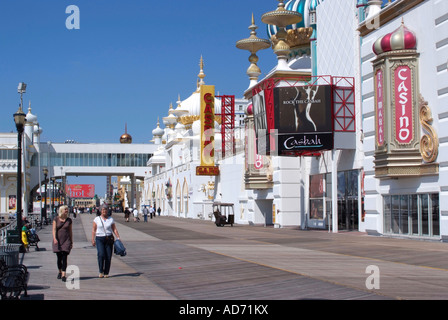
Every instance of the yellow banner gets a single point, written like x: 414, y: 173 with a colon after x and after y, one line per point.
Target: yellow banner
x: 207, y: 125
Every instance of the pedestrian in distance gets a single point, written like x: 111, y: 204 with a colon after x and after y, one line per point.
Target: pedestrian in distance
x: 145, y: 214
x: 152, y: 212
x: 62, y: 240
x: 103, y: 231
x: 127, y: 213
x: 158, y: 211
x: 135, y: 213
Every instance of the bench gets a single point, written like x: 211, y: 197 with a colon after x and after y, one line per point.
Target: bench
x: 13, y: 280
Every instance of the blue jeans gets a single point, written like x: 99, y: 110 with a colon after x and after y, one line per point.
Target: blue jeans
x: 104, y: 255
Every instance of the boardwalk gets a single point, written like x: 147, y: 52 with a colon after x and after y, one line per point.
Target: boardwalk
x: 181, y: 259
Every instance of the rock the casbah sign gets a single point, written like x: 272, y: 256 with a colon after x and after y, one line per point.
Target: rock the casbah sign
x: 207, y: 167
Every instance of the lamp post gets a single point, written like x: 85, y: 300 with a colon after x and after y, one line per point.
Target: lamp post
x: 44, y: 210
x: 19, y: 119
x: 53, y: 182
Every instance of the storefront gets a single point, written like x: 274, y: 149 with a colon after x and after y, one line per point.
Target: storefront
x: 348, y: 200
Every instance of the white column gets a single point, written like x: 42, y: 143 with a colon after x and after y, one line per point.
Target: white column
x: 334, y: 190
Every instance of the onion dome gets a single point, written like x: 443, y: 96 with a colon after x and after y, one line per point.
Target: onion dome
x: 250, y: 109
x: 31, y: 119
x: 158, y: 132
x: 126, y: 138
x: 400, y: 39
x: 315, y: 3
x: 37, y: 129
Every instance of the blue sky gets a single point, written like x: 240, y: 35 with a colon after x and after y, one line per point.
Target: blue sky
x: 125, y: 65
x: 128, y: 61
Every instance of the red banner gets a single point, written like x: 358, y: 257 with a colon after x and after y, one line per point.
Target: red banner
x: 379, y: 108
x: 80, y: 190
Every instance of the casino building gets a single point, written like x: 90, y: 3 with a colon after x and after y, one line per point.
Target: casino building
x: 344, y: 133
x: 404, y: 91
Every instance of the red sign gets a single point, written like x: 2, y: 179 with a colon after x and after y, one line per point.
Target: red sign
x: 80, y: 190
x: 379, y: 108
x: 207, y: 171
x: 404, y: 133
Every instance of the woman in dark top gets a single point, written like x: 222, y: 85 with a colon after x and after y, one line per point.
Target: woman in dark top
x: 62, y: 240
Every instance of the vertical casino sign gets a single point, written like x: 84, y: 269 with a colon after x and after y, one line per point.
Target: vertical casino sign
x: 207, y: 167
x: 404, y: 117
x: 397, y: 107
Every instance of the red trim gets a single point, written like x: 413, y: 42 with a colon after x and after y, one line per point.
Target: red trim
x: 227, y: 124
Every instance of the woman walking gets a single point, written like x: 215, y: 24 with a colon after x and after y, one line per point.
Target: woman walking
x: 62, y: 240
x: 102, y: 237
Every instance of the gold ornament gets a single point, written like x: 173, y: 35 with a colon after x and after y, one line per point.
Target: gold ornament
x: 429, y: 143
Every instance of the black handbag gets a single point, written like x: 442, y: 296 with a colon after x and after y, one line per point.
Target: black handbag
x: 109, y: 238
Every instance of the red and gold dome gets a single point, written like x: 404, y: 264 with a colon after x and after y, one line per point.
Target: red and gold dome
x: 400, y: 39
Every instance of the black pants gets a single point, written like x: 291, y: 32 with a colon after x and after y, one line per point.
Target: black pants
x: 62, y: 260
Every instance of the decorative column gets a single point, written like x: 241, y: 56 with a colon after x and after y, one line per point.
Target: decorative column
x: 282, y: 18
x: 253, y: 44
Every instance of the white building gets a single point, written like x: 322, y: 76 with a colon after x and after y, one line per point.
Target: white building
x: 404, y: 48
x: 383, y: 172
x: 171, y: 182
x: 344, y: 188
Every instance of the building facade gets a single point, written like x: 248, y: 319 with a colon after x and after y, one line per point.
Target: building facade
x: 404, y: 85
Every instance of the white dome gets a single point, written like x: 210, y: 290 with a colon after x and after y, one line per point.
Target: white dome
x: 179, y: 126
x: 37, y: 129
x: 193, y: 105
x: 31, y: 119
x: 158, y: 132
x: 196, y: 127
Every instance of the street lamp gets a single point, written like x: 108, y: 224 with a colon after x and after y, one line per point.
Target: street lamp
x: 53, y: 182
x: 44, y: 210
x: 19, y: 119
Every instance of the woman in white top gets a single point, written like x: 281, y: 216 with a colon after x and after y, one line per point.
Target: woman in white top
x: 103, y: 228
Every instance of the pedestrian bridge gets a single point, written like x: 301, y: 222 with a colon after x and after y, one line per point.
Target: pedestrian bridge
x: 90, y: 159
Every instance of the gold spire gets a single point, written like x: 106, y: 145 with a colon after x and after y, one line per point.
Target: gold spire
x: 281, y: 18
x: 253, y: 44
x: 201, y: 74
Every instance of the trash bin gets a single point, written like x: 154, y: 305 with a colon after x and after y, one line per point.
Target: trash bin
x: 10, y: 254
x: 13, y: 236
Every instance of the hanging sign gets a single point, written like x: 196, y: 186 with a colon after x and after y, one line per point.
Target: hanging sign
x: 404, y: 117
x: 304, y: 118
x: 207, y: 166
x: 379, y: 108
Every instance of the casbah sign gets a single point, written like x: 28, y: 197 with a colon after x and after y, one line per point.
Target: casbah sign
x: 320, y: 141
x: 207, y: 171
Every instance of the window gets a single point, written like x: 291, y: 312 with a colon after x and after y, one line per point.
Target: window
x: 413, y: 214
x: 317, y: 196
x: 83, y: 159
